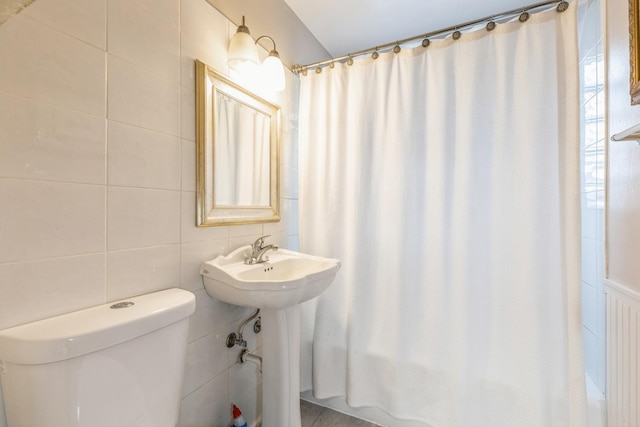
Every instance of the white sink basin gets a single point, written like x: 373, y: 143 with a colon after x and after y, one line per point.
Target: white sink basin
x: 288, y: 278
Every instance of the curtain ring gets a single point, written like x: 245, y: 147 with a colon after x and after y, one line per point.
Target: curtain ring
x: 524, y: 16
x: 350, y: 61
x: 562, y: 6
x: 318, y: 70
x: 426, y: 42
x: 397, y: 48
x: 331, y: 64
x: 304, y: 71
x: 375, y: 54
x: 456, y: 35
x: 490, y: 26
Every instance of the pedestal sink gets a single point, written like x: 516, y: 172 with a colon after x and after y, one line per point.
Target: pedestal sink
x: 276, y: 287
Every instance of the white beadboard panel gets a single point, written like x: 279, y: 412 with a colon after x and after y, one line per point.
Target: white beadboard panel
x: 141, y: 98
x: 204, y: 37
x: 623, y: 355
x: 189, y: 231
x: 49, y: 66
x: 165, y: 10
x: 85, y: 20
x: 45, y: 142
x: 188, y: 111
x: 143, y: 158
x: 188, y: 166
x: 141, y: 217
x: 208, y: 403
x: 142, y: 271
x: 211, y: 314
x: 35, y: 290
x: 136, y: 35
x: 41, y: 219
x: 193, y: 254
x: 206, y: 359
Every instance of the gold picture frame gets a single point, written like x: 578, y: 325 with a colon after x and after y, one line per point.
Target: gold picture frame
x: 634, y: 50
x: 210, y: 210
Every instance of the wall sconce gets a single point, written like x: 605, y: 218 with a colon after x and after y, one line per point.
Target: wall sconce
x: 243, y: 57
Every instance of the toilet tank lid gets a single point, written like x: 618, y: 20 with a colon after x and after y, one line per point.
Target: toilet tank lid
x: 92, y: 329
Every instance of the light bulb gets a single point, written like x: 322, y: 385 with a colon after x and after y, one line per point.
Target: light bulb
x: 273, y: 71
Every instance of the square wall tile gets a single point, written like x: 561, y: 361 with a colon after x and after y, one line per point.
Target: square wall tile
x: 142, y: 271
x: 138, y: 97
x: 49, y: 66
x: 188, y: 166
x: 589, y: 261
x: 136, y: 35
x: 589, y: 308
x: 85, y: 20
x: 45, y: 142
x: 590, y: 353
x: 140, y: 217
x: 164, y: 10
x: 188, y: 114
x: 208, y: 403
x: 206, y: 359
x: 143, y: 158
x: 211, y: 314
x: 40, y: 219
x: 204, y: 37
x: 189, y: 231
x: 35, y: 290
x: 244, y: 379
x: 193, y: 255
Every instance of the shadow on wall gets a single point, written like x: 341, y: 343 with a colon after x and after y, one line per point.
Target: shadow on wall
x: 12, y: 7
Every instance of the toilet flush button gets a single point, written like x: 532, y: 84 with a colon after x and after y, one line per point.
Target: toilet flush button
x: 124, y: 304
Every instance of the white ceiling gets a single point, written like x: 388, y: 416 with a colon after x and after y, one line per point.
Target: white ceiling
x: 346, y: 26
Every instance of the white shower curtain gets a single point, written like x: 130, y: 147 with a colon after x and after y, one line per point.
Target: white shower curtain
x: 446, y: 181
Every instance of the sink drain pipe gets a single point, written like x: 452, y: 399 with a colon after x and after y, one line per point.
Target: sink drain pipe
x: 233, y: 338
x: 246, y: 356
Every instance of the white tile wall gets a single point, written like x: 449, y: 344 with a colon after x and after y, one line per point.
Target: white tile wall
x: 46, y: 142
x: 593, y: 152
x: 97, y: 175
x: 51, y: 67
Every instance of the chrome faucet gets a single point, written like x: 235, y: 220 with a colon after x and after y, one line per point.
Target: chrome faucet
x: 258, y: 250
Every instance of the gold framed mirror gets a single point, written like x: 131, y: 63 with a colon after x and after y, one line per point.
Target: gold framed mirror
x: 237, y: 155
x: 634, y: 51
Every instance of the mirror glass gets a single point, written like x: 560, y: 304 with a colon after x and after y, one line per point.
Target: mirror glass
x: 238, y: 152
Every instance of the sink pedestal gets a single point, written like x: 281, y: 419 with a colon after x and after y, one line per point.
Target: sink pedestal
x: 281, y: 367
x: 276, y: 287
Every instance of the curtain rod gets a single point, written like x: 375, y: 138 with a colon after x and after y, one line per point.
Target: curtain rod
x: 454, y: 30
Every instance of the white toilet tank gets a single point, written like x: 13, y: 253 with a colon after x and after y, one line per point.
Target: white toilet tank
x: 113, y: 365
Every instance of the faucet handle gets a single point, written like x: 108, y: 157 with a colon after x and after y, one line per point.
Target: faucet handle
x: 259, y: 243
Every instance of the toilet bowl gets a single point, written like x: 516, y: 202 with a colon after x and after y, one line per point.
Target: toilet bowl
x: 113, y: 365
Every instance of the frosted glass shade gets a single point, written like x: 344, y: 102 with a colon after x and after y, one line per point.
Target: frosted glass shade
x: 273, y: 72
x: 243, y: 53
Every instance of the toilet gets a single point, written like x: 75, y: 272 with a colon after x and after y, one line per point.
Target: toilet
x: 114, y: 365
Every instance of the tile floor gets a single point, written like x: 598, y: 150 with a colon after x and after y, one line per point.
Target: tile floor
x: 317, y: 416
